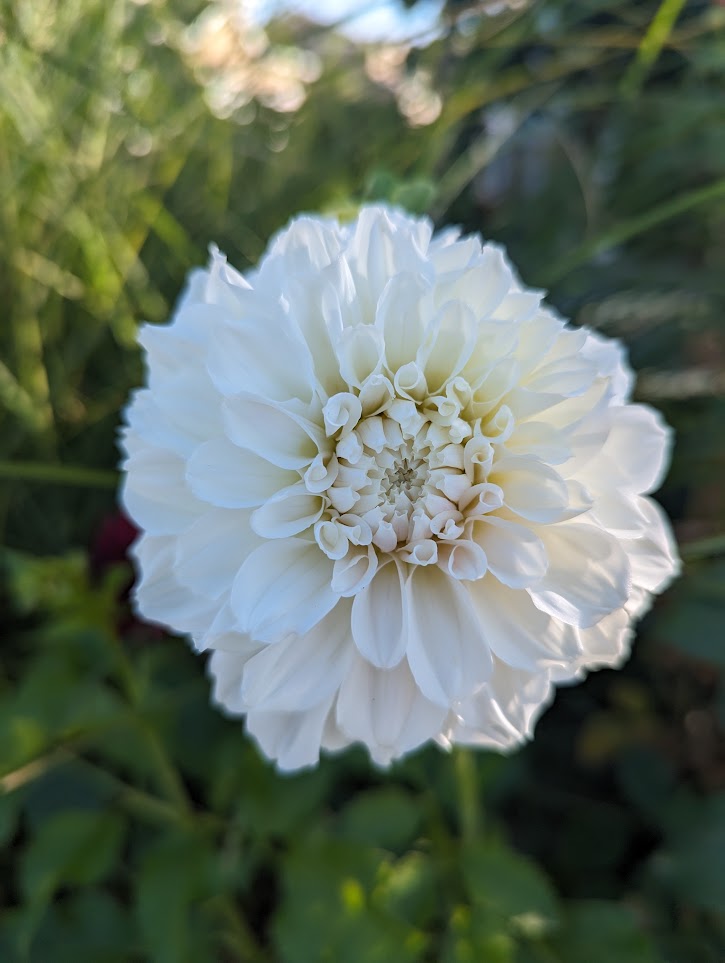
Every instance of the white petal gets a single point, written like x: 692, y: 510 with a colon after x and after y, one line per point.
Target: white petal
x: 225, y: 669
x: 423, y: 552
x: 360, y: 350
x: 272, y: 432
x: 379, y: 618
x: 300, y: 672
x: 588, y: 575
x: 386, y: 710
x: 292, y: 739
x: 531, y: 489
x: 516, y: 556
x: 223, y: 474
x: 503, y: 713
x: 606, y: 643
x: 190, y: 403
x: 447, y: 652
x: 635, y: 456
x: 211, y: 552
x: 449, y: 343
x: 223, y: 633
x: 609, y: 356
x: 376, y: 394
x: 307, y: 244
x: 355, y: 571
x: 482, y: 286
x: 409, y: 382
x: 541, y: 440
x: 262, y: 357
x: 462, y: 559
x: 283, y: 587
x: 288, y: 512
x: 158, y: 597
x: 520, y: 634
x: 653, y: 557
x: 400, y: 316
x: 341, y: 412
x: 307, y: 303
x: 155, y: 493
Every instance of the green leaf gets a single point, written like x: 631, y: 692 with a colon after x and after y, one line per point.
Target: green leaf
x: 694, y: 614
x: 327, y: 914
x: 499, y: 879
x: 694, y: 863
x: 387, y: 817
x: 474, y: 937
x: 415, y: 196
x: 409, y: 889
x: 176, y: 873
x: 603, y: 932
x: 89, y: 928
x: 75, y: 847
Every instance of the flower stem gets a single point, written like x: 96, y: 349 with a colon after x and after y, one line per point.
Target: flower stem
x: 658, y: 34
x: 468, y: 799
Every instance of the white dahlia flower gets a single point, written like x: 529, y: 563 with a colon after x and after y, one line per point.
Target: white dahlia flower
x: 392, y: 493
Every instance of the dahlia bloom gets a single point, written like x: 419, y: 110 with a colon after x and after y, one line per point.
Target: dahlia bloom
x: 394, y: 495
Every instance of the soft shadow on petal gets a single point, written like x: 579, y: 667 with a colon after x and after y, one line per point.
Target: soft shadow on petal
x: 502, y: 714
x: 271, y: 431
x: 653, y: 556
x: 283, y: 587
x: 288, y: 512
x: 516, y: 555
x: 303, y: 670
x: 379, y: 617
x: 292, y: 739
x: 155, y: 493
x: 223, y: 474
x: 263, y: 357
x: 588, y: 575
x: 447, y: 651
x: 211, y: 552
x: 605, y: 644
x: 635, y: 456
x: 518, y: 633
x: 385, y: 709
x: 158, y: 596
x: 531, y: 489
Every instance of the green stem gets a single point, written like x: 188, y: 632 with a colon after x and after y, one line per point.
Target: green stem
x: 240, y: 939
x: 703, y: 547
x: 57, y: 474
x: 468, y: 797
x: 633, y: 226
x: 168, y: 777
x: 651, y: 46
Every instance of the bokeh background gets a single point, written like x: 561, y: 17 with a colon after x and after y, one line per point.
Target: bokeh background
x: 137, y: 824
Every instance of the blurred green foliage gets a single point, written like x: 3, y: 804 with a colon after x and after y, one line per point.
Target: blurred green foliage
x: 136, y: 823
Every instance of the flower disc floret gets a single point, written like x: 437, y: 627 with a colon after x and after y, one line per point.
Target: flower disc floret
x: 393, y: 494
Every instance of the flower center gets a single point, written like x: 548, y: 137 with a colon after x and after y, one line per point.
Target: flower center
x: 405, y: 479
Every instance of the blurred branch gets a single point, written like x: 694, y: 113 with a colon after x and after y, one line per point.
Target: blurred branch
x: 481, y: 153
x: 468, y: 802
x: 633, y: 226
x: 18, y: 778
x: 57, y: 474
x: 652, y: 43
x: 703, y: 547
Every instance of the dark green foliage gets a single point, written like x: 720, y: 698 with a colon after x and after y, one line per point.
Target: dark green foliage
x: 136, y: 823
